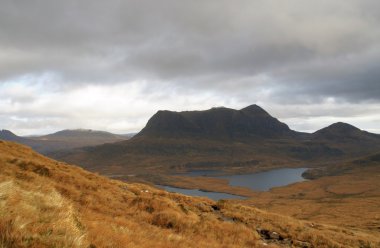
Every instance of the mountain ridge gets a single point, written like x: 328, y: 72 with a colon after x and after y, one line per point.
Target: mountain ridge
x: 216, y: 123
x: 236, y: 141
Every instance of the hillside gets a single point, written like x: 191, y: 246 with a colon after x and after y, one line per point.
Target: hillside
x: 233, y: 141
x: 45, y: 203
x: 63, y: 140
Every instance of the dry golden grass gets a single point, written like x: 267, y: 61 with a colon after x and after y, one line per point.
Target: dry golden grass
x: 45, y: 203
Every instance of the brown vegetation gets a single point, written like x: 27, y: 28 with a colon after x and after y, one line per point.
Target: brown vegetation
x: 45, y: 203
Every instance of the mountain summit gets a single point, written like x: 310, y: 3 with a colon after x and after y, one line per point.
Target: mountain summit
x: 255, y: 110
x: 216, y: 123
x: 343, y: 132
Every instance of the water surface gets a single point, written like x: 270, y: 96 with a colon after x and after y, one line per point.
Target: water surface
x: 201, y: 173
x: 260, y: 181
x: 196, y: 192
x: 263, y: 181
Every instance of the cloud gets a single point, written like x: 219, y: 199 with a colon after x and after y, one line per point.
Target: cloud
x: 205, y: 53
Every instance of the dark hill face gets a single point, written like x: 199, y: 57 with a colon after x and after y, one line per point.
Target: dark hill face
x: 216, y: 123
x: 342, y: 132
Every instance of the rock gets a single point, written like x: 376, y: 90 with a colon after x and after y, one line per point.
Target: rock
x: 274, y: 235
x: 215, y: 207
x: 302, y: 244
x: 266, y: 234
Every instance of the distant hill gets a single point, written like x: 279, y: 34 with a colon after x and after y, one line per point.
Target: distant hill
x: 87, y: 135
x: 9, y: 136
x: 343, y: 132
x: 235, y: 141
x: 63, y: 140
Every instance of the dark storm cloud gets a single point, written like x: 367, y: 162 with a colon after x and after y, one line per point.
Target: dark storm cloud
x: 353, y: 77
x: 308, y: 49
x: 112, y: 64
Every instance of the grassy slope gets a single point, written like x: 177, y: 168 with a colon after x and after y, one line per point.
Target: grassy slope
x: 45, y: 203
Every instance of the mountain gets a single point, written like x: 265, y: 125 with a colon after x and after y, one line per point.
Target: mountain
x: 8, y: 135
x: 63, y: 140
x: 217, y: 123
x: 234, y: 141
x: 82, y: 135
x: 343, y: 132
x: 46, y: 203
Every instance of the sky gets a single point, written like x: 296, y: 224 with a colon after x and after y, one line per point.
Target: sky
x: 110, y: 65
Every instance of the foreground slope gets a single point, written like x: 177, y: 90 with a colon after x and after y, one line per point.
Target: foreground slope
x: 45, y: 203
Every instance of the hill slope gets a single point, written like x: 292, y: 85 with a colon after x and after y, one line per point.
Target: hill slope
x: 45, y: 203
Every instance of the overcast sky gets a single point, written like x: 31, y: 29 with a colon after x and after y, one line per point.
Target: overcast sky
x: 110, y: 65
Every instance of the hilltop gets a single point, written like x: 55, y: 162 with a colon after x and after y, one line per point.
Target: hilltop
x: 81, y: 134
x: 46, y: 203
x: 343, y: 132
